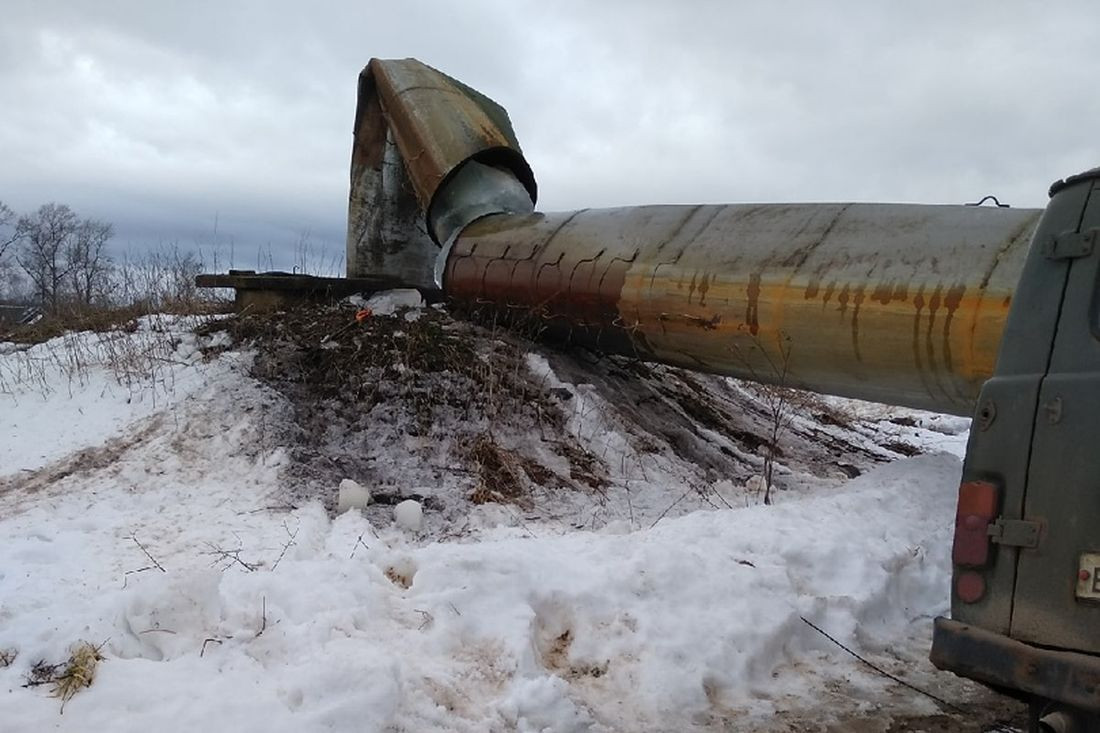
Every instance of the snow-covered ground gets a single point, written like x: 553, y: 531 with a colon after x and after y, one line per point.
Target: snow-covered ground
x: 152, y: 518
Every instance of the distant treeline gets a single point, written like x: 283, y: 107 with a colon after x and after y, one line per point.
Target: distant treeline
x: 60, y: 262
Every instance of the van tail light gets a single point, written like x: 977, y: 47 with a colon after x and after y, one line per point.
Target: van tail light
x: 978, y: 505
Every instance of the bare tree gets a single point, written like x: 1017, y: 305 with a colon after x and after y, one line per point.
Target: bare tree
x: 8, y: 232
x: 87, y: 261
x: 44, y: 237
x: 64, y: 256
x: 9, y: 278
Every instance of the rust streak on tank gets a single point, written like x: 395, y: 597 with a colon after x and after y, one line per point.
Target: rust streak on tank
x: 951, y: 301
x: 752, y: 310
x: 703, y: 288
x: 918, y: 303
x: 857, y: 301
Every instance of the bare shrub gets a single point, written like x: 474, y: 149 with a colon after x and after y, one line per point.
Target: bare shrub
x: 779, y: 399
x: 314, y: 259
x: 163, y: 280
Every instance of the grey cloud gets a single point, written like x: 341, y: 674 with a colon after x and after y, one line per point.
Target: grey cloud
x: 163, y: 116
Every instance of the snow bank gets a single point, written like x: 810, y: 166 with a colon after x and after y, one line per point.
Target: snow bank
x: 222, y: 609
x: 80, y: 390
x: 350, y: 628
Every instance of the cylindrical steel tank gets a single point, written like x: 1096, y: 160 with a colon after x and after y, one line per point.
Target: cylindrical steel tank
x: 897, y: 303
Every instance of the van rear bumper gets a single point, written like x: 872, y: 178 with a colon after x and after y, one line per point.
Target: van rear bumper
x: 1068, y: 677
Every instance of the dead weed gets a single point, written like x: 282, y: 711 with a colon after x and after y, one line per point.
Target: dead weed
x: 500, y: 473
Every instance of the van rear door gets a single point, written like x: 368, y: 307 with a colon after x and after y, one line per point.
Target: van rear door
x: 1056, y: 600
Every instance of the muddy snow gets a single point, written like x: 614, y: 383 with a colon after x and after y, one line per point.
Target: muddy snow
x: 552, y: 542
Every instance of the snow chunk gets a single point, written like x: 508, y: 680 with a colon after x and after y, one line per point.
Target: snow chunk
x: 389, y: 302
x: 220, y: 340
x: 542, y: 704
x: 944, y: 424
x: 164, y: 613
x: 352, y: 496
x: 408, y: 515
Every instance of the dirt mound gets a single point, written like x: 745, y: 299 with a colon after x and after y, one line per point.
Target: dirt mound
x: 419, y: 404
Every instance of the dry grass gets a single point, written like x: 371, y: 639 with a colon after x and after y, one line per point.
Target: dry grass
x: 70, y: 676
x: 103, y: 319
x: 42, y: 673
x: 79, y: 671
x: 500, y: 473
x: 134, y: 360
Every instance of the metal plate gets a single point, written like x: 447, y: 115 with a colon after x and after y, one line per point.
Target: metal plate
x: 1088, y: 577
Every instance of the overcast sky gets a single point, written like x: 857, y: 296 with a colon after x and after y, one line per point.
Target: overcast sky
x: 166, y: 117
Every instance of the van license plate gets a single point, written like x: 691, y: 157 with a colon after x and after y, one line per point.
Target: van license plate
x: 1088, y: 576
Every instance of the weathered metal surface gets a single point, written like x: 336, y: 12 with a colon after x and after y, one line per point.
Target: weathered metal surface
x: 266, y: 291
x: 414, y: 128
x: 995, y: 659
x: 439, y: 123
x: 1041, y: 411
x: 1015, y: 533
x: 895, y: 303
x: 1009, y: 402
x: 307, y: 284
x: 1062, y: 475
x: 387, y: 229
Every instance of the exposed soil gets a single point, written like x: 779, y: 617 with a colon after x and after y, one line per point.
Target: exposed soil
x: 423, y: 405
